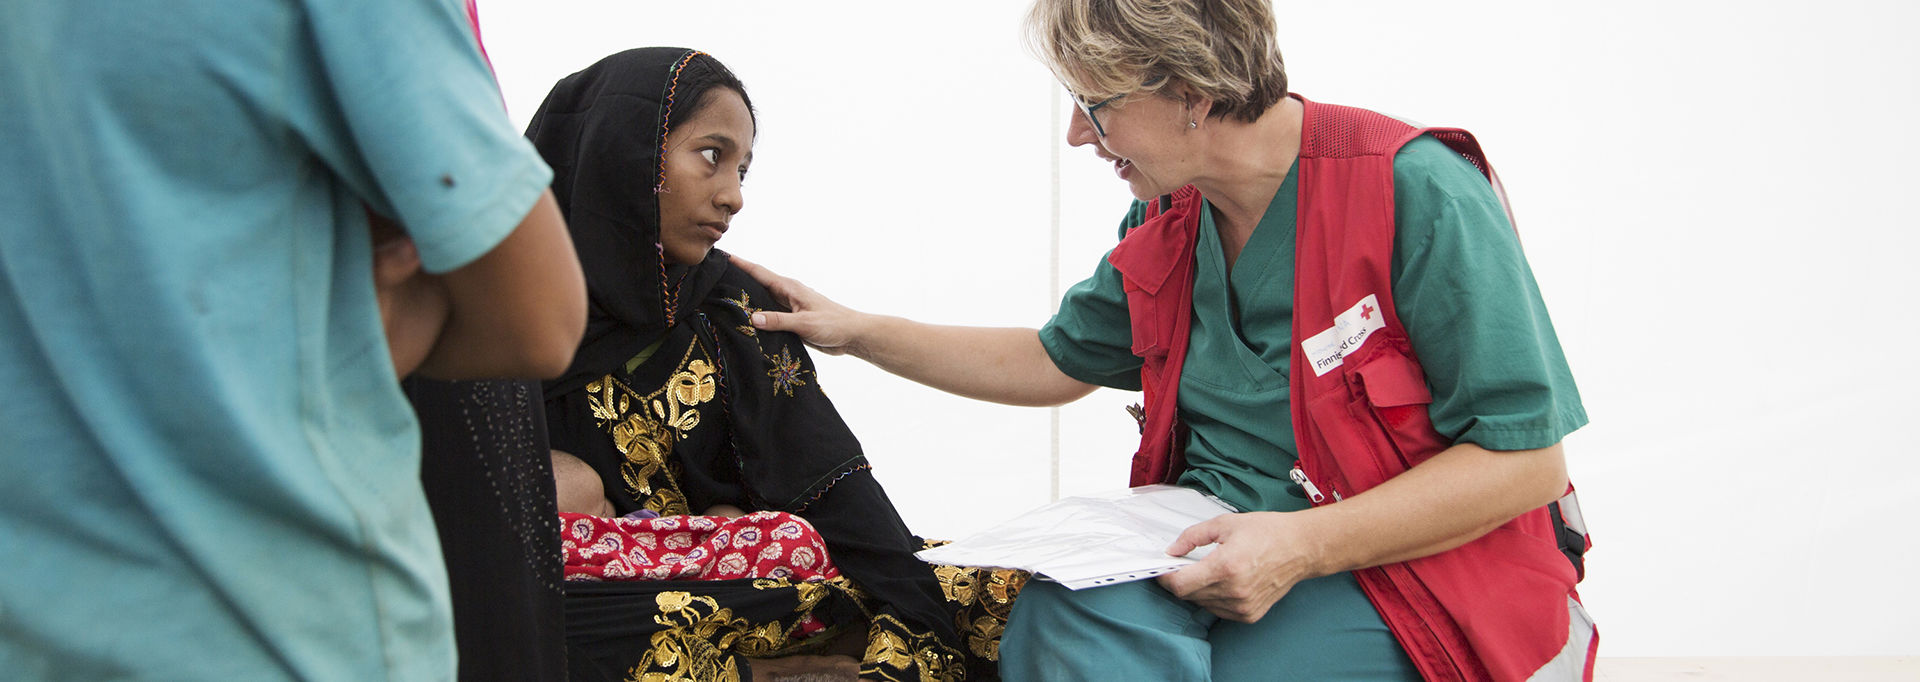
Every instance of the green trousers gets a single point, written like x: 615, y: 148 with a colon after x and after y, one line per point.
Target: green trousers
x: 1323, y: 630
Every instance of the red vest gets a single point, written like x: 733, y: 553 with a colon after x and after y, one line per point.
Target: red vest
x: 1501, y: 607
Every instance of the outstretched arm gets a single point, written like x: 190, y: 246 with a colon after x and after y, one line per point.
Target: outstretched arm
x: 999, y: 364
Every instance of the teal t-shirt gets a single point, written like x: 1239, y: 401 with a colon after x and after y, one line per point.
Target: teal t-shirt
x: 1463, y: 290
x: 207, y: 468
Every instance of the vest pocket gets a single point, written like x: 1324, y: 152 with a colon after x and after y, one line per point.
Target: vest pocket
x: 1526, y: 624
x: 1374, y: 414
x: 1143, y: 313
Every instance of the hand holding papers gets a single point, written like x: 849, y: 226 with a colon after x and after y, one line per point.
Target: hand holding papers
x: 1091, y: 540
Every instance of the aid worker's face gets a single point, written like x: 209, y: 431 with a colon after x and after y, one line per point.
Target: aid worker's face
x: 1145, y: 140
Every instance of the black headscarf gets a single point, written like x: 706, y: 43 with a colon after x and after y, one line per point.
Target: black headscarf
x: 602, y: 130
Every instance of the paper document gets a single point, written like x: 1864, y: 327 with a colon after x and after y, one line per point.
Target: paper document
x: 1092, y: 540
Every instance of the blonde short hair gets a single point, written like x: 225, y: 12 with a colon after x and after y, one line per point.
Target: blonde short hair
x: 1105, y: 48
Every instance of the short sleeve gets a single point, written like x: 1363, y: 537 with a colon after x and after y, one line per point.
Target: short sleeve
x: 1472, y: 309
x: 1091, y: 337
x: 413, y: 120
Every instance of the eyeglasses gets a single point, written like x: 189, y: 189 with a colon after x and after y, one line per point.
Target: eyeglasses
x: 1089, y: 107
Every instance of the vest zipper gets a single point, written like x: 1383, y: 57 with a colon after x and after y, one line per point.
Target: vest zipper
x: 1300, y: 477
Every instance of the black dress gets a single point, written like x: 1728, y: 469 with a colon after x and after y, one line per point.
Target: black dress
x: 489, y: 481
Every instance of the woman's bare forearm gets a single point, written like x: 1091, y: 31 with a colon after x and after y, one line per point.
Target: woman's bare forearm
x: 998, y: 364
x: 1447, y: 501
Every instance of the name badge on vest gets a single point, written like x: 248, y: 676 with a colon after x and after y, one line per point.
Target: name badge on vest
x: 1328, y: 349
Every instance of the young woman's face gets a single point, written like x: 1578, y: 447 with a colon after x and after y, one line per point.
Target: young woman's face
x: 706, y: 159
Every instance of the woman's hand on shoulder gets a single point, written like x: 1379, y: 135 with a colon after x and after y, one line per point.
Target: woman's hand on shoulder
x: 827, y: 326
x: 1259, y: 558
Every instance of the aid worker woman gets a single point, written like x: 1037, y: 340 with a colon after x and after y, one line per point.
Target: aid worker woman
x: 1359, y: 355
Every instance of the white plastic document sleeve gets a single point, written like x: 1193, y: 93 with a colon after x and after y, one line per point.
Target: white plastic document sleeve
x: 1092, y: 540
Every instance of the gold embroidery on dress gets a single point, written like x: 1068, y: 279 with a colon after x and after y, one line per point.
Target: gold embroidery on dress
x: 956, y: 582
x: 994, y: 590
x: 607, y: 405
x: 703, y: 641
x: 644, y: 445
x: 893, y: 649
x: 984, y: 597
x: 687, y: 649
x: 689, y: 387
x: 892, y: 646
x: 809, y: 594
x: 650, y: 471
x: 888, y: 649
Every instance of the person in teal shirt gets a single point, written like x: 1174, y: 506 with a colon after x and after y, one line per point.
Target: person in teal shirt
x: 1178, y: 94
x: 208, y: 470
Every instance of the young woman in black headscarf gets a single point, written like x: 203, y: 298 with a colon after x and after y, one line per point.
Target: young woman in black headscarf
x: 680, y: 404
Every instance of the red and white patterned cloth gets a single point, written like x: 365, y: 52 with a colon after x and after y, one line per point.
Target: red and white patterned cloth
x: 763, y: 544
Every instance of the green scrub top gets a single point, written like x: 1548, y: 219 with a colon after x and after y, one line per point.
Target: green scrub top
x: 1463, y: 290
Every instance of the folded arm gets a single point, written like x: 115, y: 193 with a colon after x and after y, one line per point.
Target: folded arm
x: 517, y: 311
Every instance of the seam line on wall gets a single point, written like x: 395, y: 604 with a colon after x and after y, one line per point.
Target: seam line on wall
x: 1053, y: 279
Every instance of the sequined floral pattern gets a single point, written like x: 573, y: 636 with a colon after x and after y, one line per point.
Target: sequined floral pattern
x: 787, y: 372
x: 647, y: 438
x: 745, y: 305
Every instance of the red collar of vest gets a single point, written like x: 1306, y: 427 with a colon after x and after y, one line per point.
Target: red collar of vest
x: 1151, y: 252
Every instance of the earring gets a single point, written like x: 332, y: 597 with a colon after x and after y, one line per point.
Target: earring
x: 1191, y: 124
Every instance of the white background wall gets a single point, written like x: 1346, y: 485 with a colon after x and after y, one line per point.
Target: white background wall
x: 1713, y: 195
